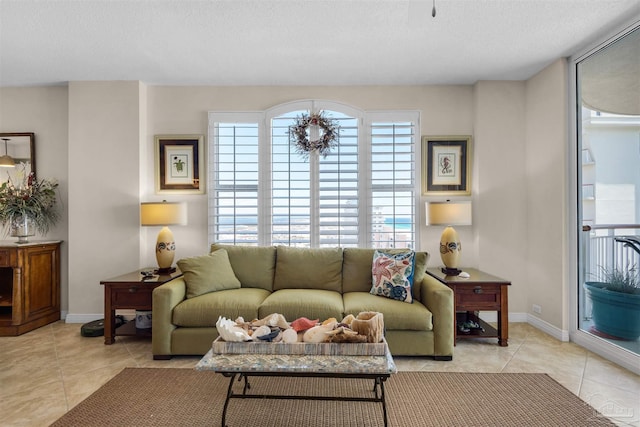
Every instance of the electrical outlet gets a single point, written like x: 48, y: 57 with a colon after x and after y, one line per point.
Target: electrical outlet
x: 536, y: 309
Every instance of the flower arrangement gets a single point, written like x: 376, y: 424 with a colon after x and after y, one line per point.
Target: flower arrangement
x: 34, y: 199
x: 327, y: 138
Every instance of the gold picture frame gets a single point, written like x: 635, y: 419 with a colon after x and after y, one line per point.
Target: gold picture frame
x: 179, y: 164
x: 446, y: 165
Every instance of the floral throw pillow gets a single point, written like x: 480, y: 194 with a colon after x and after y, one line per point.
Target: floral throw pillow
x: 393, y: 274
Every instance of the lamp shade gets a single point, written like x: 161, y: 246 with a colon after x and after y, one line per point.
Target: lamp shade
x: 448, y: 213
x: 163, y: 213
x: 6, y: 161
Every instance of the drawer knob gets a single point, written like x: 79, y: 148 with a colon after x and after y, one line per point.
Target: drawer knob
x: 133, y: 289
x: 477, y: 290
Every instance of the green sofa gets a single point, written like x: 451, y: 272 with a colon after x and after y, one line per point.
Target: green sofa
x: 301, y: 282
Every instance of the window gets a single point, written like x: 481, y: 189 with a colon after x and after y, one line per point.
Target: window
x: 233, y: 203
x: 392, y: 195
x: 361, y: 194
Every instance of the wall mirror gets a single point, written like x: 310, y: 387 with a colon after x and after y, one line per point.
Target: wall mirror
x: 20, y: 147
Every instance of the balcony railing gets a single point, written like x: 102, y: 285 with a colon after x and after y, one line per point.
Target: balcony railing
x: 607, y: 247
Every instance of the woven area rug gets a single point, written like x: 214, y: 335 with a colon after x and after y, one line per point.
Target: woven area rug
x: 185, y: 397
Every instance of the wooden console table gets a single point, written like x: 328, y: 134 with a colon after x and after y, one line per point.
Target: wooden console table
x: 29, y: 285
x: 129, y: 291
x: 479, y: 292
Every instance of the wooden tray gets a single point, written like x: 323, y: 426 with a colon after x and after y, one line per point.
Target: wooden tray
x: 221, y: 346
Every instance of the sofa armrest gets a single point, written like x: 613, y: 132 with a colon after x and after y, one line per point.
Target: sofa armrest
x: 438, y: 298
x: 165, y: 298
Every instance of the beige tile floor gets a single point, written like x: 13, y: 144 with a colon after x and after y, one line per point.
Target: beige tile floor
x: 46, y: 372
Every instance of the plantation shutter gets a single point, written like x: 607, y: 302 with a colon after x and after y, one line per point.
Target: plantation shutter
x: 392, y: 201
x: 314, y: 199
x: 338, y: 188
x: 363, y: 193
x: 233, y: 207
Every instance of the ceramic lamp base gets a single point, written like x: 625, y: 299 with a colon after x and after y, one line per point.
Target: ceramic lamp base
x: 165, y: 250
x: 450, y: 248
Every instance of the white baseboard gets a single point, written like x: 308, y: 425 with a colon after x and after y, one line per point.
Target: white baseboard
x: 85, y: 318
x: 536, y: 322
x: 548, y: 328
x: 492, y: 316
x: 82, y: 318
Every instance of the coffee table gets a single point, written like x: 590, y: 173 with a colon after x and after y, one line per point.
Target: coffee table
x: 243, y: 366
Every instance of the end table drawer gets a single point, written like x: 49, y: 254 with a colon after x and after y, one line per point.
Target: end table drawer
x: 478, y: 297
x: 133, y: 296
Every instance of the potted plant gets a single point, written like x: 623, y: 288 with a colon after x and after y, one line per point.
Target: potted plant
x: 28, y: 207
x: 616, y: 303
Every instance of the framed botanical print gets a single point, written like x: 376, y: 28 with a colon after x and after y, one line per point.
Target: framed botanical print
x: 446, y: 165
x: 180, y: 164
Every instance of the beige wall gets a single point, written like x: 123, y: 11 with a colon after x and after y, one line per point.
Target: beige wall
x: 44, y: 111
x: 500, y: 215
x: 104, y: 188
x: 100, y: 136
x: 445, y: 110
x: 547, y: 133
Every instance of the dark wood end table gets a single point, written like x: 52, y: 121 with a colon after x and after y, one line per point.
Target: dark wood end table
x: 479, y: 292
x: 129, y: 291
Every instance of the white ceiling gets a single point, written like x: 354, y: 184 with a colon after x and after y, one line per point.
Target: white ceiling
x: 295, y: 42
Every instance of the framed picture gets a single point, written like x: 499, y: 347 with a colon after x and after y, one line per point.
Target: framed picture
x: 180, y: 164
x: 446, y: 165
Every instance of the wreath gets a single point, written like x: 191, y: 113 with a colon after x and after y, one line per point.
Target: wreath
x: 301, y: 140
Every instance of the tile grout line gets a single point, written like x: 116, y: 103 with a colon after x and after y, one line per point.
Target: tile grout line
x: 59, y: 366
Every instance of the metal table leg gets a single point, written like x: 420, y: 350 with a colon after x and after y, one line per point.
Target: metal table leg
x: 226, y: 402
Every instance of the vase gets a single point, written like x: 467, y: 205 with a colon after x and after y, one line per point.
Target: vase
x: 22, y: 226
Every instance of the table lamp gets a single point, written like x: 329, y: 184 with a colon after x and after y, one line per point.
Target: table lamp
x: 164, y: 214
x: 449, y: 213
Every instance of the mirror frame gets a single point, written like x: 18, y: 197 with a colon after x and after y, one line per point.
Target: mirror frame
x: 32, y: 145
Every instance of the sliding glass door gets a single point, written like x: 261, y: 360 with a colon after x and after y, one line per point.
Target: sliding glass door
x: 608, y: 178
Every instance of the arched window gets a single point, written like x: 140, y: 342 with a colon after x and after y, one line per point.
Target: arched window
x: 362, y: 193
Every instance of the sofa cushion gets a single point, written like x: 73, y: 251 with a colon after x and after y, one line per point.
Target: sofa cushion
x: 356, y: 270
x: 393, y: 274
x: 309, y: 303
x: 397, y: 314
x: 254, y: 266
x: 303, y: 268
x: 204, y: 310
x: 208, y: 273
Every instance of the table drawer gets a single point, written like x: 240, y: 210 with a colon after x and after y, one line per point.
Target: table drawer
x: 478, y: 297
x: 133, y: 296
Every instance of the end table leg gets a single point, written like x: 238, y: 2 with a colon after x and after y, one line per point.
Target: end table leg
x: 503, y: 328
x: 109, y: 318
